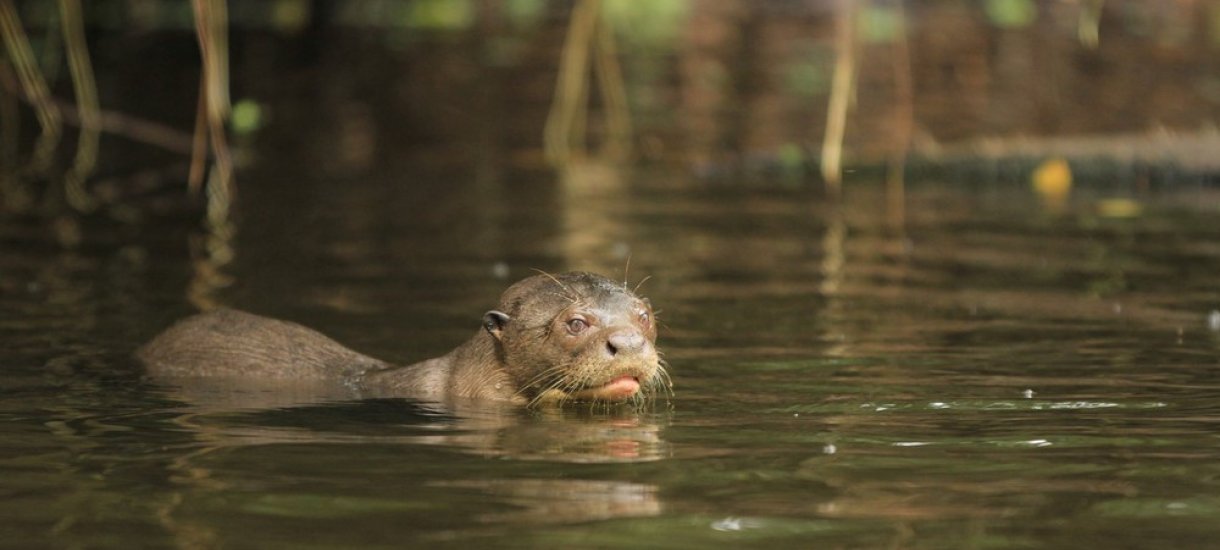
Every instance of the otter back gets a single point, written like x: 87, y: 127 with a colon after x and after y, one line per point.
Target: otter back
x: 232, y: 344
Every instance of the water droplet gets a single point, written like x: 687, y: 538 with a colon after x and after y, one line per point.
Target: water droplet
x: 829, y: 449
x: 1028, y: 394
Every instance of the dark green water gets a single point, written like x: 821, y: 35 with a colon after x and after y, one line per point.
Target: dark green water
x: 990, y: 376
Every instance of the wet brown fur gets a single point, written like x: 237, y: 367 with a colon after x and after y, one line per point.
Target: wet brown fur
x: 524, y: 354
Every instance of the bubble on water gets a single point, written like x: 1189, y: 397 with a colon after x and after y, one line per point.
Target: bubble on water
x: 1039, y: 443
x: 1213, y: 320
x: 829, y: 449
x: 911, y: 444
x: 1028, y: 394
x: 938, y: 405
x: 735, y: 524
x: 1072, y: 405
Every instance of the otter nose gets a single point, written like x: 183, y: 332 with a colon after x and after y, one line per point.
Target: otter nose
x: 625, y: 341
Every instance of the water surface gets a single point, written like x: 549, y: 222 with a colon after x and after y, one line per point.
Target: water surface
x: 988, y: 375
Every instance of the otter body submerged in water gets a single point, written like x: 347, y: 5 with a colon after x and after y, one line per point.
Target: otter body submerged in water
x: 572, y: 336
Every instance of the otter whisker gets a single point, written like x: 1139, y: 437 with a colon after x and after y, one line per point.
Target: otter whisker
x: 550, y: 379
x: 640, y: 284
x: 536, y: 379
x: 538, y: 397
x: 626, y: 270
x: 553, y: 369
x: 542, y: 383
x: 648, y: 389
x: 571, y: 294
x: 570, y: 299
x: 662, y: 378
x: 546, y: 391
x: 663, y: 373
x: 558, y: 385
x: 548, y: 376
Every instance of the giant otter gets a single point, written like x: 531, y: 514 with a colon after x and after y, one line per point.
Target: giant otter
x: 567, y: 337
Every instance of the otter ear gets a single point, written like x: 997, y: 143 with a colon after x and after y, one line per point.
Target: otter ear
x: 494, y: 321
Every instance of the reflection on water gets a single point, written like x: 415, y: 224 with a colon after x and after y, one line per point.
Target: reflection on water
x: 577, y: 436
x: 566, y: 501
x: 209, y: 468
x: 595, y: 196
x: 989, y: 366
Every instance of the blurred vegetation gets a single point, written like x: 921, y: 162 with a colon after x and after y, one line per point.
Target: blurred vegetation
x: 727, y: 89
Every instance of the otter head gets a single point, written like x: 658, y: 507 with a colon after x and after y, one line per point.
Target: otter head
x: 576, y: 336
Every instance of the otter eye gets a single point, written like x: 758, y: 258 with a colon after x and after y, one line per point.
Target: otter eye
x: 576, y: 325
x: 644, y: 318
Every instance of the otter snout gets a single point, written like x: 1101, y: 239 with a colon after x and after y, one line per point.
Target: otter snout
x: 629, y: 341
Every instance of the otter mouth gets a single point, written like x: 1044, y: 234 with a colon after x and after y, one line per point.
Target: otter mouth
x: 617, y: 389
